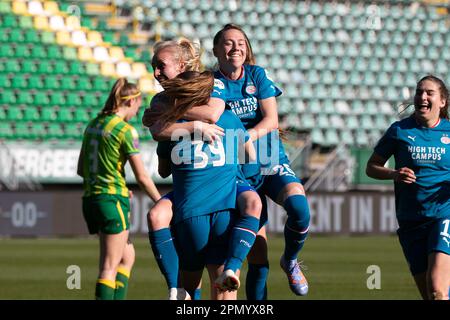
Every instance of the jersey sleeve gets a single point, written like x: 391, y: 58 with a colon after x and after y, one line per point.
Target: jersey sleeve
x: 387, y: 143
x: 130, y: 143
x: 265, y: 84
x: 163, y: 149
x: 219, y: 90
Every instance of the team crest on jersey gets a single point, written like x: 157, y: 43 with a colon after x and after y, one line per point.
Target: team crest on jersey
x: 250, y: 89
x: 219, y: 84
x: 445, y: 139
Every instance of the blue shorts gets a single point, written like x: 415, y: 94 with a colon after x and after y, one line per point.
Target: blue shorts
x: 243, y: 186
x: 277, y: 178
x: 419, y: 239
x: 203, y: 240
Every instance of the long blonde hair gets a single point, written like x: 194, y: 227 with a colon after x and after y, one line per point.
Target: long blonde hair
x: 121, y: 92
x: 183, y: 50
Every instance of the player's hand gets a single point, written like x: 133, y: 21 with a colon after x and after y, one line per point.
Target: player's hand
x: 405, y: 175
x: 209, y: 132
x: 130, y: 194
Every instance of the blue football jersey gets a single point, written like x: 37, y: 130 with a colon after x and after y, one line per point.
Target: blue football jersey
x: 204, y: 175
x: 242, y: 97
x: 426, y: 151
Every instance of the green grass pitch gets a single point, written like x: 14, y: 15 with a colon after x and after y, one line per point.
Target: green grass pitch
x: 337, y: 269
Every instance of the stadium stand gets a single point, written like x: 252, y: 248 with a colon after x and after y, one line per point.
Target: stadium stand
x: 344, y: 66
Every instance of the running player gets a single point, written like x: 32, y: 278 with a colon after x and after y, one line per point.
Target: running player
x: 108, y: 143
x: 420, y: 145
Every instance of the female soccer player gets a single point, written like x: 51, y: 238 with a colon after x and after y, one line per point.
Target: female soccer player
x: 108, y: 143
x: 204, y: 180
x: 170, y: 58
x: 251, y: 94
x: 420, y: 145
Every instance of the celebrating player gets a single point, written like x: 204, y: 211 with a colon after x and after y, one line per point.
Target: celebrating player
x: 420, y: 145
x: 251, y: 94
x: 169, y: 59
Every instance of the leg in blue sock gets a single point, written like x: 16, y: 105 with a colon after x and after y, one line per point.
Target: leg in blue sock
x: 256, y: 281
x: 244, y: 230
x: 166, y: 256
x: 297, y: 224
x: 258, y: 268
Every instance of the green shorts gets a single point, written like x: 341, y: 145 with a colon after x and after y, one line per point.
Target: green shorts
x: 106, y: 213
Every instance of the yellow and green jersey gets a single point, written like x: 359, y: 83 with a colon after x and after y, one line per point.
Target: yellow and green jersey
x: 107, y: 143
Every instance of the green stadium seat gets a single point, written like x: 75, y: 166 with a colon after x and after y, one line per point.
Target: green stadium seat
x: 22, y: 130
x: 64, y: 114
x: 73, y: 131
x: 84, y: 83
x: 51, y: 82
x: 14, y: 113
x: 21, y: 51
x: 5, y: 7
x: 361, y: 138
x: 70, y: 53
x: 6, y: 131
x: 76, y: 67
x: 38, y: 52
x: 6, y: 50
x: 87, y: 22
x: 317, y: 136
x: 351, y: 122
x: 54, y: 130
x: 92, y: 69
x: 28, y: 66
x: 35, y: 82
x: 48, y: 114
x: 331, y: 137
x: 41, y: 99
x: 4, y: 35
x: 26, y: 22
x: 366, y: 121
x: 19, y: 82
x: 4, y: 81
x: 37, y: 131
x: 67, y: 83
x: 31, y: 36
x: 307, y: 121
x: 322, y: 121
x: 100, y: 84
x: 7, y: 97
x: 57, y: 98
x: 380, y: 122
x: 9, y: 21
x: 89, y: 100
x: 54, y: 52
x: 2, y: 114
x: 60, y: 67
x: 45, y: 67
x: 73, y: 99
x: 25, y: 98
x: 48, y: 37
x: 81, y: 115
x: 16, y: 36
x: 347, y: 137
